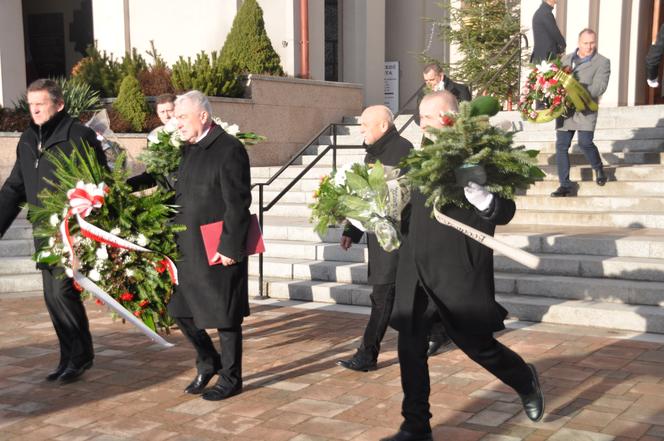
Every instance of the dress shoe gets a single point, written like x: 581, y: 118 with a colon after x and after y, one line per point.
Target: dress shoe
x: 402, y: 435
x: 198, y: 384
x: 220, y: 392
x: 600, y: 176
x: 359, y: 363
x: 56, y: 373
x: 438, y: 346
x: 533, y: 402
x: 562, y: 192
x: 71, y: 374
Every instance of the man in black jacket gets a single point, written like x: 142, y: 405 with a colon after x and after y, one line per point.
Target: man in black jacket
x: 654, y: 58
x: 53, y: 131
x: 439, y: 265
x: 435, y: 80
x: 383, y: 143
x: 549, y: 42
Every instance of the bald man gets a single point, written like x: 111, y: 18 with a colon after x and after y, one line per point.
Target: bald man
x: 444, y: 270
x: 383, y: 143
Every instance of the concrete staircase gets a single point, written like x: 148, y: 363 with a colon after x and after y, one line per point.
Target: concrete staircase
x: 602, y: 251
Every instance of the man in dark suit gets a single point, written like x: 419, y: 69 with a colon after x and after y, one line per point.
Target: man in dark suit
x: 654, y: 58
x: 213, y: 184
x: 53, y: 131
x: 439, y: 265
x: 435, y: 80
x: 383, y: 143
x: 549, y: 42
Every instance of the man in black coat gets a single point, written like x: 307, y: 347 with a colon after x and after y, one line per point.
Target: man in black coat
x: 439, y: 265
x: 383, y: 143
x: 654, y: 58
x: 51, y: 130
x: 213, y: 184
x: 435, y: 80
x: 549, y: 42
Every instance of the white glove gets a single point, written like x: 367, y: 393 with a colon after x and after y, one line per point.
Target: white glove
x: 477, y: 195
x: 653, y: 83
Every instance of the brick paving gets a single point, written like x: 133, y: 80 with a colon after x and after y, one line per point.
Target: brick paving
x: 599, y: 385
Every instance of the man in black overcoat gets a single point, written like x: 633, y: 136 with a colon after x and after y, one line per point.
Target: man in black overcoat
x: 439, y: 265
x: 51, y: 130
x: 213, y: 184
x: 383, y: 143
x: 435, y: 80
x: 549, y: 42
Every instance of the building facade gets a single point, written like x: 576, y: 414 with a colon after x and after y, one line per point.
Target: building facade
x: 348, y: 40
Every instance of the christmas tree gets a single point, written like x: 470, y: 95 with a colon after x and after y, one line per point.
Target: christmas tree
x: 480, y: 29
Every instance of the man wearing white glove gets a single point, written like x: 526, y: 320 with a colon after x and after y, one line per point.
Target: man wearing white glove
x: 444, y: 270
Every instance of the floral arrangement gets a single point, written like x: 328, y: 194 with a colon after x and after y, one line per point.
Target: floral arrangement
x: 90, y: 223
x: 544, y: 88
x: 468, y: 139
x: 369, y: 196
x: 553, y: 85
x: 162, y: 156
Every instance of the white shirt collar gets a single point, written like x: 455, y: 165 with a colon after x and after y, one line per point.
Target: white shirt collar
x: 203, y: 135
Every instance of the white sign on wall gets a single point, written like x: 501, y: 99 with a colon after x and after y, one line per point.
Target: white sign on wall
x: 391, y: 94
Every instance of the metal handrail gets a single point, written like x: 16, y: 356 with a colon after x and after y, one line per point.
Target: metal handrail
x: 330, y: 128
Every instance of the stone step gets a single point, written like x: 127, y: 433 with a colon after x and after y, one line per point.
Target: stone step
x: 17, y: 265
x: 640, y: 318
x: 262, y: 174
x: 291, y: 249
x: 624, y: 219
x: 16, y: 247
x: 13, y: 283
x: 588, y: 187
x: 585, y: 313
x: 616, y: 204
x: 611, y: 159
x: 615, y: 269
x: 633, y: 292
x: 284, y: 209
x: 20, y: 229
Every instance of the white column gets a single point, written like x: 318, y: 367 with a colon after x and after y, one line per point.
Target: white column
x: 12, y: 52
x: 577, y: 19
x: 608, y: 44
x: 364, y: 47
x: 108, y: 23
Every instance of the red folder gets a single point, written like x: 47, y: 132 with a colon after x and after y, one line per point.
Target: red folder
x: 212, y: 237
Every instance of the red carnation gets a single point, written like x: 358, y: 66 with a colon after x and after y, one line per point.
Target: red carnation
x: 553, y: 81
x: 557, y: 100
x: 138, y: 313
x: 160, y: 266
x: 144, y: 303
x: 127, y: 296
x: 447, y: 120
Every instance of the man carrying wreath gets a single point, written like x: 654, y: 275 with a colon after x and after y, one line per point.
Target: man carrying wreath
x: 592, y: 71
x: 51, y: 130
x: 441, y: 267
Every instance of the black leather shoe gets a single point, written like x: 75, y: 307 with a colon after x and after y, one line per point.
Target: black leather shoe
x: 220, y: 392
x: 533, y: 403
x: 198, y: 384
x: 56, y: 373
x: 562, y: 192
x: 402, y: 435
x: 360, y: 364
x: 71, y: 374
x: 600, y: 176
x: 439, y: 346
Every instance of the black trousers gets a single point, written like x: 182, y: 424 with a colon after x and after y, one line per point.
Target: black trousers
x: 227, y: 363
x: 382, y: 302
x: 67, y: 313
x: 484, y: 349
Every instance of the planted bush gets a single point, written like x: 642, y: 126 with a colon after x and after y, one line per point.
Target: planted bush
x: 248, y: 45
x: 207, y: 74
x: 131, y: 103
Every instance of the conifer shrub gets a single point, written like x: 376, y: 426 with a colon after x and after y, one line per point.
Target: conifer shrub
x: 131, y: 104
x: 207, y: 74
x: 100, y: 71
x: 156, y: 79
x: 248, y: 45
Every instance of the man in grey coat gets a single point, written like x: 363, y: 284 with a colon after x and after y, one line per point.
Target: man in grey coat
x: 592, y: 70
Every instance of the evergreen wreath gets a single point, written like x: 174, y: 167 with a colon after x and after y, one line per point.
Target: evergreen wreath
x: 137, y: 280
x: 469, y: 139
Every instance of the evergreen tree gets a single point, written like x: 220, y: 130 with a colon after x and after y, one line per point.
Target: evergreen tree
x: 480, y: 29
x: 131, y: 103
x: 248, y: 45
